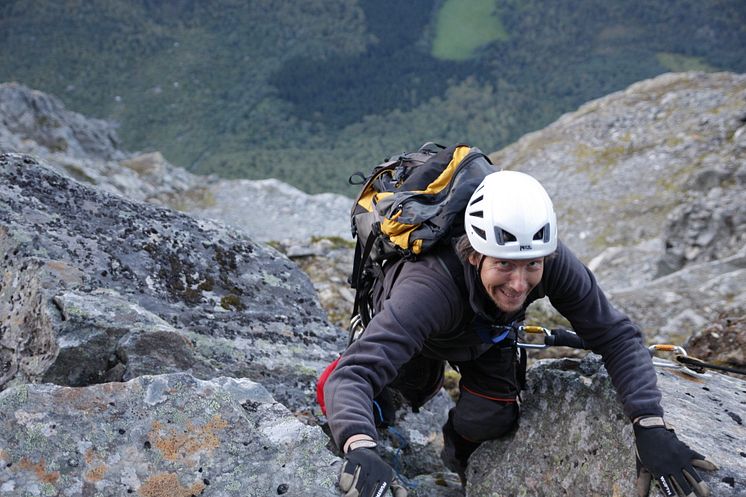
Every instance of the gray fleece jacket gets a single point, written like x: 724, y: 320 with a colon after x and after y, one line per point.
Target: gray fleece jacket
x: 428, y: 312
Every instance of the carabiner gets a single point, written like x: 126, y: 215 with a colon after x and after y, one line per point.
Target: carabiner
x: 678, y: 364
x: 535, y: 330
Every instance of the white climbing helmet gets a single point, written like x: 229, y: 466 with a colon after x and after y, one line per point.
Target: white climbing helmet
x: 510, y: 216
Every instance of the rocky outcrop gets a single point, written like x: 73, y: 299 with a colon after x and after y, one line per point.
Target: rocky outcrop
x: 648, y: 184
x: 712, y: 226
x: 271, y: 210
x: 87, y: 150
x: 620, y: 165
x: 722, y: 342
x: 157, y: 436
x: 98, y: 288
x: 39, y: 122
x: 574, y: 439
x: 675, y: 306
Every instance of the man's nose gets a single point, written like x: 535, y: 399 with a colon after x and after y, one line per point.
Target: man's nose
x: 519, y: 281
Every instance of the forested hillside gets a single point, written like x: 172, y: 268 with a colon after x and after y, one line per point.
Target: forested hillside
x: 309, y: 91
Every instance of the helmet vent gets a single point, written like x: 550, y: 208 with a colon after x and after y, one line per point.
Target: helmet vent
x: 480, y: 232
x: 542, y: 234
x: 479, y: 214
x: 475, y: 200
x: 502, y: 237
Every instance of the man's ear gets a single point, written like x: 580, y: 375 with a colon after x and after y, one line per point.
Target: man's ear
x: 474, y: 258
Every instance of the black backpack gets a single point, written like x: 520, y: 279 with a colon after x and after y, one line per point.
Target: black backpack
x: 408, y: 206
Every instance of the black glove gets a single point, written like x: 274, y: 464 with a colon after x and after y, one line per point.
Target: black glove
x: 365, y: 474
x: 668, y: 460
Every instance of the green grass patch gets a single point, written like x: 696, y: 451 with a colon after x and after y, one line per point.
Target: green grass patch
x: 683, y: 63
x: 465, y: 25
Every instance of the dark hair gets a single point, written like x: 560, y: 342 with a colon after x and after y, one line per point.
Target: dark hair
x: 464, y: 250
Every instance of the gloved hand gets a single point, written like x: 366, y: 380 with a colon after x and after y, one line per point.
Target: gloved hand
x: 365, y: 474
x: 668, y: 460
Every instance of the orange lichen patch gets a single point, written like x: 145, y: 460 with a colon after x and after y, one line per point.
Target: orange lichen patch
x: 39, y: 469
x: 180, y: 444
x: 95, y: 474
x: 89, y: 455
x: 80, y: 399
x: 168, y: 485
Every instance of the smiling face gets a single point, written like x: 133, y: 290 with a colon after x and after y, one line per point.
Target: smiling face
x: 509, y: 281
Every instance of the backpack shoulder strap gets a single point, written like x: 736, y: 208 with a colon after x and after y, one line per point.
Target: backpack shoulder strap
x: 449, y: 259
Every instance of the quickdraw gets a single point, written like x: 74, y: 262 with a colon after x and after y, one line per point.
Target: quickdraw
x: 684, y: 362
x: 681, y: 360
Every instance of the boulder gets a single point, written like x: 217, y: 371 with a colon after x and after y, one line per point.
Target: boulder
x: 271, y: 210
x: 573, y: 438
x: 722, y: 342
x: 673, y: 307
x: 99, y: 288
x: 157, y: 436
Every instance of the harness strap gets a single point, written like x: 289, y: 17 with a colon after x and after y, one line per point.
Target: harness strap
x: 361, y: 257
x: 506, y: 400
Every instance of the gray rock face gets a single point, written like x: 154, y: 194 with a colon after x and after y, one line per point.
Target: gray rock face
x: 39, y: 122
x: 272, y: 210
x: 649, y: 185
x: 125, y: 285
x: 157, y: 436
x: 708, y: 228
x: 574, y: 439
x: 620, y: 165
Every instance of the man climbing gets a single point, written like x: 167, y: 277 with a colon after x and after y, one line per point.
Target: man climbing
x: 442, y: 307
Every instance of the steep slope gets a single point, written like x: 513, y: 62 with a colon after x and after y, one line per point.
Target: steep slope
x: 647, y: 181
x: 99, y: 288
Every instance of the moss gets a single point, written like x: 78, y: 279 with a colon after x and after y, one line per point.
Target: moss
x: 337, y: 241
x: 78, y: 173
x: 226, y: 259
x: 451, y: 381
x: 277, y: 246
x: 207, y: 285
x: 192, y: 295
x: 683, y: 63
x: 594, y: 162
x: 58, y: 145
x: 231, y: 302
x: 200, y: 196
